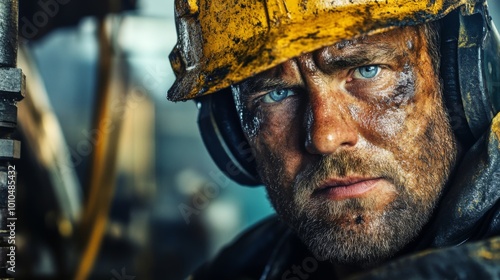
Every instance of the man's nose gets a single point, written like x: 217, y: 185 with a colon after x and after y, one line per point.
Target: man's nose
x: 329, y: 124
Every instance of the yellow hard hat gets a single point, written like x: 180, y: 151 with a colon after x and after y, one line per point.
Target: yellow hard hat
x: 224, y: 42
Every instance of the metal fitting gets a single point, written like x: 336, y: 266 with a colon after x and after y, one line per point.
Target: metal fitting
x: 12, y: 84
x: 10, y: 149
x: 12, y: 90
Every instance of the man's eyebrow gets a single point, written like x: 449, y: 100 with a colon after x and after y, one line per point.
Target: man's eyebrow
x: 352, y: 56
x: 358, y: 55
x: 260, y: 84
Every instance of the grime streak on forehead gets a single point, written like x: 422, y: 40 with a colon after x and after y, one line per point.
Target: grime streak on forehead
x: 366, y: 49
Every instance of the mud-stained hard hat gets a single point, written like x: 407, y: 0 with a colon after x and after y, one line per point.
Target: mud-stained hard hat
x: 224, y: 42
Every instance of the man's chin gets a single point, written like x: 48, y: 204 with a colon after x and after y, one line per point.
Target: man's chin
x: 359, y: 236
x: 342, y: 242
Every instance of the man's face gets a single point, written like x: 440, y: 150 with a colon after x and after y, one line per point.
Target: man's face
x: 352, y: 143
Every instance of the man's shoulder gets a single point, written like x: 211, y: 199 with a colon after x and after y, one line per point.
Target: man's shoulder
x: 474, y: 260
x: 246, y: 257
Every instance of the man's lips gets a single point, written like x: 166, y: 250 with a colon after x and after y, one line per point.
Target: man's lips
x: 350, y: 187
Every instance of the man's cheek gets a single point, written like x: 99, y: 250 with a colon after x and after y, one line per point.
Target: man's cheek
x: 273, y: 161
x: 251, y: 123
x: 260, y: 123
x: 383, y: 128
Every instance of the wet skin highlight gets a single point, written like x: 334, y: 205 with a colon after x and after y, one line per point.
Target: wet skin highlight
x: 352, y: 142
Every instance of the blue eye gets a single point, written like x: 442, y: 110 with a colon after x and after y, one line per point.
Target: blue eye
x: 277, y: 95
x: 366, y: 72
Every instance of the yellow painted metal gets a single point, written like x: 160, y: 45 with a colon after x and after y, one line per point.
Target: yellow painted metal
x: 223, y: 42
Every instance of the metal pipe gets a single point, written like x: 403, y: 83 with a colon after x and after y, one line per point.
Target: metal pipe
x: 11, y: 91
x: 102, y: 175
x: 8, y: 32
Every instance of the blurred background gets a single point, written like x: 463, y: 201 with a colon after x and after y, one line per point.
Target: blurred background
x: 100, y: 70
x: 114, y: 180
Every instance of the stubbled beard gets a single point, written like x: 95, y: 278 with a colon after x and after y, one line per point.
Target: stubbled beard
x: 355, y: 231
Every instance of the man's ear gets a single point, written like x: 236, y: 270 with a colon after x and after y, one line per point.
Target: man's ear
x: 221, y: 132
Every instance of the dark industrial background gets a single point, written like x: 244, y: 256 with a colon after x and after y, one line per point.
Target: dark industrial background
x: 114, y: 180
x: 169, y: 206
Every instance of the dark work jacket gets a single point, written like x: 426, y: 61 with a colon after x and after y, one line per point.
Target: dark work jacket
x: 459, y: 242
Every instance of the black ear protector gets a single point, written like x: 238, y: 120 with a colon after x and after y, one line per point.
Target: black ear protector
x: 222, y: 134
x: 470, y: 70
x: 449, y: 74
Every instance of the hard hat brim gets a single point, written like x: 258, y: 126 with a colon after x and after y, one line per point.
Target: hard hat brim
x: 235, y: 58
